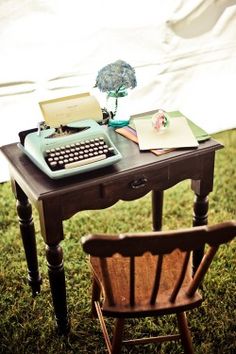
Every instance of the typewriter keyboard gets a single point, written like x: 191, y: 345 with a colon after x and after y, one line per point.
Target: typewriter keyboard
x: 78, y: 154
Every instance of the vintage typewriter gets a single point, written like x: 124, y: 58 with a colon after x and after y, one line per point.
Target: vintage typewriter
x: 69, y: 149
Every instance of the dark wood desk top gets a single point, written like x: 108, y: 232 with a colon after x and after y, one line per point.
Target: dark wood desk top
x: 133, y: 162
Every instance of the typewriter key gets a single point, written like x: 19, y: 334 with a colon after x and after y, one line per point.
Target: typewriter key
x: 53, y: 163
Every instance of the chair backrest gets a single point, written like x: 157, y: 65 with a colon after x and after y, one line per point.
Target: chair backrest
x: 160, y: 243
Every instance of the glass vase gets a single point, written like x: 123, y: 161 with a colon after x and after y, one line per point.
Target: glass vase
x: 118, y: 105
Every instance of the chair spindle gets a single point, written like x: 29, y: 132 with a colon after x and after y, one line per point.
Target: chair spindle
x: 181, y: 277
x: 107, y: 281
x: 157, y: 279
x: 132, y: 281
x: 201, y: 271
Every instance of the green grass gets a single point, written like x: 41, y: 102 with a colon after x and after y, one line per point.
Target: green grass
x: 27, y: 324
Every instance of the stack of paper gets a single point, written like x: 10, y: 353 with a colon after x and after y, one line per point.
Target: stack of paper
x: 130, y: 132
x: 177, y: 135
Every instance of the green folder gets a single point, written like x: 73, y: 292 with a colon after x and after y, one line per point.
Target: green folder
x: 199, y: 133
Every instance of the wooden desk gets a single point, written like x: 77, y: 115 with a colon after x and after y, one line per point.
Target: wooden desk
x: 133, y: 177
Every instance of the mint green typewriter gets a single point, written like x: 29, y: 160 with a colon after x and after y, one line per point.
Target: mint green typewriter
x: 78, y: 147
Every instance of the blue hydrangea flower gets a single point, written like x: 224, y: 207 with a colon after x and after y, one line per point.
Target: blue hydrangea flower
x: 115, y: 77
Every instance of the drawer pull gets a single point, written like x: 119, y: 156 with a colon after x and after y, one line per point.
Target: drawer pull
x: 139, y: 183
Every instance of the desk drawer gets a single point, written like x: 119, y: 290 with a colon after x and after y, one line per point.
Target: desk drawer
x: 134, y: 186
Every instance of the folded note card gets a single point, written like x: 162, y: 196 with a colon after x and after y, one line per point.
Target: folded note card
x: 177, y: 135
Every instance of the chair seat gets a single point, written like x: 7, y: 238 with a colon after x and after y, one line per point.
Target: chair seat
x: 118, y: 268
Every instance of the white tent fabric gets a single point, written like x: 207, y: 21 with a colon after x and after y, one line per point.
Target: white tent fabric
x: 183, y: 52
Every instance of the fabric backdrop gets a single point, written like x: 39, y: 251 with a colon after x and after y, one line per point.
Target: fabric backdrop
x: 183, y: 52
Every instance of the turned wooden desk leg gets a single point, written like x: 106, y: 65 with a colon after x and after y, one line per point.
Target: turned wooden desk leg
x: 201, y: 188
x: 56, y: 275
x: 157, y: 207
x: 24, y: 211
x: 200, y: 217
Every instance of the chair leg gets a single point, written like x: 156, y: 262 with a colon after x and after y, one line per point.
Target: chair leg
x: 96, y: 291
x: 185, y: 333
x: 118, y: 335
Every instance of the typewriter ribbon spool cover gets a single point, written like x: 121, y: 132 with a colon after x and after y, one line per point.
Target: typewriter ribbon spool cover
x: 64, y: 110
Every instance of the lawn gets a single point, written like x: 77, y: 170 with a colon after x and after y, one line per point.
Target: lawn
x: 27, y: 324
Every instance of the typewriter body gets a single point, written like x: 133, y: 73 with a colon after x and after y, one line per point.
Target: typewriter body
x: 69, y: 149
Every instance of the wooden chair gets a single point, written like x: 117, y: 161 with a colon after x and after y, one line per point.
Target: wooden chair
x: 150, y: 274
